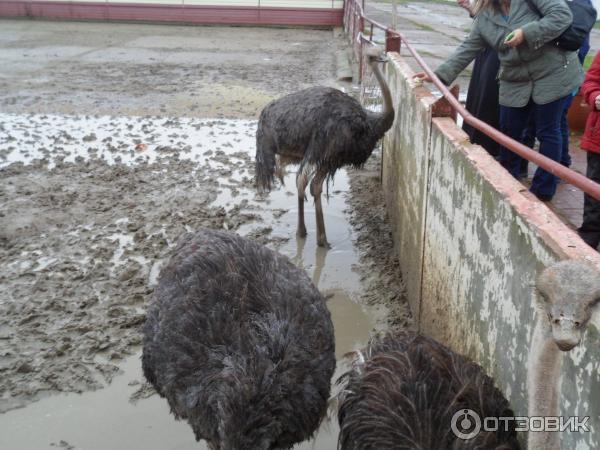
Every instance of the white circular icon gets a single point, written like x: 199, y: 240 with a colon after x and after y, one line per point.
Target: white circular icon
x: 466, y: 424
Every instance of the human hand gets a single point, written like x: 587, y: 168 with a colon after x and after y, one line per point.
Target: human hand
x: 597, y: 102
x: 465, y: 4
x: 515, y: 38
x: 422, y: 76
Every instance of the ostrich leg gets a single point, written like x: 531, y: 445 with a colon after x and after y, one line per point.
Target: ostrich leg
x: 301, y: 183
x: 316, y: 188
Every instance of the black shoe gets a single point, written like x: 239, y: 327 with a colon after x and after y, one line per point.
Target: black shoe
x: 590, y: 239
x: 544, y: 197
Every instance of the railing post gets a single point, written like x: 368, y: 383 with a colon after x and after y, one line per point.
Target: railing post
x: 353, y: 26
x: 346, y: 16
x: 359, y: 35
x: 443, y: 108
x: 360, y: 62
x: 392, y: 41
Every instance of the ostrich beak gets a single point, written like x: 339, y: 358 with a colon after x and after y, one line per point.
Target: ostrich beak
x: 565, y: 333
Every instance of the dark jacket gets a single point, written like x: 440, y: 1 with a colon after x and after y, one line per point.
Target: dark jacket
x: 537, y: 68
x: 589, y: 91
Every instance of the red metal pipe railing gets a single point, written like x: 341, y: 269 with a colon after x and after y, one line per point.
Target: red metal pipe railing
x: 393, y: 42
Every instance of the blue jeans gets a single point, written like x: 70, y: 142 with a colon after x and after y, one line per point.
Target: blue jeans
x: 528, y: 137
x: 565, y: 157
x: 548, y: 131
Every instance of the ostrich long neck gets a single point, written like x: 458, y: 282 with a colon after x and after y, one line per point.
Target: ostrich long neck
x: 386, y: 118
x: 544, y: 377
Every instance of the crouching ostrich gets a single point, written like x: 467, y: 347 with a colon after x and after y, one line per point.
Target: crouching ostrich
x: 322, y: 129
x: 240, y: 343
x: 403, y: 390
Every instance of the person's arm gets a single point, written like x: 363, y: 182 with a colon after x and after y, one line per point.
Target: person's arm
x: 462, y: 56
x: 590, y: 89
x: 466, y: 4
x: 584, y: 50
x: 557, y: 17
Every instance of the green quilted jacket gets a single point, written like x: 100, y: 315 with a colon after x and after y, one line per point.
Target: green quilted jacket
x: 535, y: 69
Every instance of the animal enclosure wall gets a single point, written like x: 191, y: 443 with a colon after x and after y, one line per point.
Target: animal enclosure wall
x: 471, y: 241
x: 236, y: 12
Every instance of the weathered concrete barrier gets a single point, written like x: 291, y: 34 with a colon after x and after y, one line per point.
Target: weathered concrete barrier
x: 327, y: 13
x: 471, y: 241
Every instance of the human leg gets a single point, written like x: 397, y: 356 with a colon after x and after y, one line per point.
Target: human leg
x: 547, y: 123
x: 528, y: 139
x: 590, y: 229
x: 565, y: 157
x: 512, y: 123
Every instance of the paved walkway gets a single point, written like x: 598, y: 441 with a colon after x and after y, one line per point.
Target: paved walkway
x: 435, y: 28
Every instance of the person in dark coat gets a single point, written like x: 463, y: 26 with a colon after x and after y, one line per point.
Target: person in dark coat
x: 482, y: 96
x: 590, y: 90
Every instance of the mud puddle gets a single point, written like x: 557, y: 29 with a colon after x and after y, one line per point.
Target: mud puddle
x: 117, y: 418
x: 91, y: 207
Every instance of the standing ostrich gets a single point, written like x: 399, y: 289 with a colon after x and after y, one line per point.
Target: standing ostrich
x: 240, y: 343
x: 567, y: 293
x: 322, y: 129
x: 403, y: 391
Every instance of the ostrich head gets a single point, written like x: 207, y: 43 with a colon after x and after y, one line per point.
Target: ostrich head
x: 568, y: 292
x: 375, y: 55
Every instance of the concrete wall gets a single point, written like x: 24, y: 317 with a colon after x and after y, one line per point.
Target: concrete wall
x: 471, y: 241
x: 326, y: 13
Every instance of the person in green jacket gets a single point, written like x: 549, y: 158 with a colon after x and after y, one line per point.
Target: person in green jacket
x: 535, y: 75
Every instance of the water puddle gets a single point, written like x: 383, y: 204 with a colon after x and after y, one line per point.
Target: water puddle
x: 106, y: 418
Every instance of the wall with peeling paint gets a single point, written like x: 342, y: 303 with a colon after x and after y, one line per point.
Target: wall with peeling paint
x: 471, y: 241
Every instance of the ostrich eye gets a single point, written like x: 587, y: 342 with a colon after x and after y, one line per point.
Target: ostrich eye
x: 577, y: 324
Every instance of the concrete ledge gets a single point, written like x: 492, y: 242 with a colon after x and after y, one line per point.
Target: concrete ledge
x: 471, y: 240
x: 152, y: 12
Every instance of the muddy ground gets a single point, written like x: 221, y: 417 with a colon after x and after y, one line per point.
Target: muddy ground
x: 143, y: 69
x: 114, y: 144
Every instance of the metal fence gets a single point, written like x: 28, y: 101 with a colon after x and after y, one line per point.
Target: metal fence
x: 355, y: 25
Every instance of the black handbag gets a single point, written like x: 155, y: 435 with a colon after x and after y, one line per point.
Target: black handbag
x: 584, y: 19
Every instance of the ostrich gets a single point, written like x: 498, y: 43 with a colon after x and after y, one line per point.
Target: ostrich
x: 322, y: 129
x: 240, y: 343
x: 403, y: 390
x: 567, y: 294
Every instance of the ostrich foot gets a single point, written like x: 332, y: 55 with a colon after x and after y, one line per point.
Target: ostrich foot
x: 322, y: 242
x: 301, y: 231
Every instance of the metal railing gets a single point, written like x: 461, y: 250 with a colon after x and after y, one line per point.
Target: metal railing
x: 355, y: 22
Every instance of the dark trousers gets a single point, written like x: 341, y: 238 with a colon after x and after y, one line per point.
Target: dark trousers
x: 513, y: 122
x: 590, y: 229
x: 528, y: 137
x: 565, y: 157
